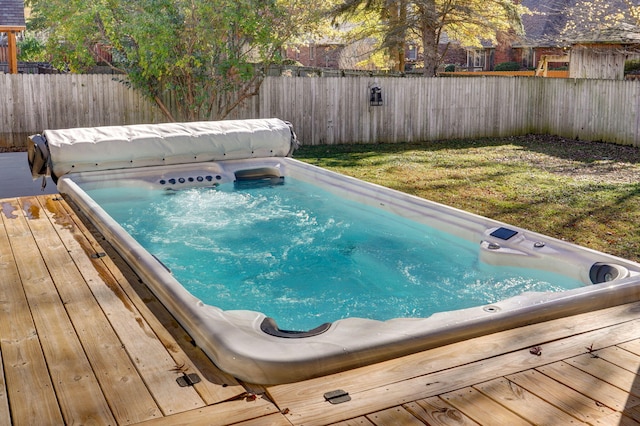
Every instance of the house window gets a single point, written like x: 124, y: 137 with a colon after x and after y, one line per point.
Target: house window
x: 475, y: 59
x: 412, y: 53
x: 527, y: 58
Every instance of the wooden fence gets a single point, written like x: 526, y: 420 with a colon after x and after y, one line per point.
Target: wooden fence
x: 31, y: 103
x: 337, y: 110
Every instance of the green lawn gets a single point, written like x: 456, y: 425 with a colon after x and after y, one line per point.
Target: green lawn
x: 584, y: 192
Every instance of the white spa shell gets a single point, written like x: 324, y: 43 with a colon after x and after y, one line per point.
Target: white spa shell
x: 234, y: 339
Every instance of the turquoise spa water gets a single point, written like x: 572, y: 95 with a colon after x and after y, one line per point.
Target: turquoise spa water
x: 304, y: 257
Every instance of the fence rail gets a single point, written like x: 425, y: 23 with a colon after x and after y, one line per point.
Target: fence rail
x: 337, y: 110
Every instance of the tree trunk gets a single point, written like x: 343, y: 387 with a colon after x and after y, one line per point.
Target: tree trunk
x: 397, y: 16
x: 164, y: 109
x: 431, y: 61
x: 430, y: 38
x: 402, y: 21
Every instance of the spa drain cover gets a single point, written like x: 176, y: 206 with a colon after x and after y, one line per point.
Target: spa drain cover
x: 188, y: 380
x: 337, y: 396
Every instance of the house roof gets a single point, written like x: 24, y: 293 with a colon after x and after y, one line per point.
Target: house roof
x: 563, y: 22
x: 622, y: 33
x: 545, y: 22
x: 12, y: 13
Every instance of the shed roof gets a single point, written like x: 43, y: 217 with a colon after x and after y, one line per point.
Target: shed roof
x: 622, y: 33
x: 12, y: 13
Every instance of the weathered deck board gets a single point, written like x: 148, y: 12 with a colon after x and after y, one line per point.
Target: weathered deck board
x: 600, y: 391
x: 394, y: 415
x: 218, y: 385
x: 29, y: 389
x: 454, y: 366
x: 436, y: 412
x: 568, y: 400
x: 632, y: 346
x: 82, y: 340
x: 83, y: 332
x: 466, y: 352
x: 479, y: 406
x: 612, y: 365
x: 102, y: 298
x: 360, y: 421
x: 528, y: 405
x: 260, y: 411
x: 91, y: 355
x: 73, y: 377
x: 5, y: 415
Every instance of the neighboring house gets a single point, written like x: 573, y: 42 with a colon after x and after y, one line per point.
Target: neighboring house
x: 603, y: 53
x: 332, y: 52
x: 324, y: 54
x: 596, y: 42
x: 543, y: 32
x: 11, y: 22
x: 598, y: 45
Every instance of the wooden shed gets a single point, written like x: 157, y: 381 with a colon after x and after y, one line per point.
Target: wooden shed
x: 12, y: 22
x: 602, y: 54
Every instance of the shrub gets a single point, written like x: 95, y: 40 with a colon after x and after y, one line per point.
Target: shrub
x: 31, y: 50
x: 449, y: 68
x: 507, y: 66
x: 632, y: 66
x: 291, y: 62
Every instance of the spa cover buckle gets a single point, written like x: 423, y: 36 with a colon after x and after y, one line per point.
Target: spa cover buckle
x: 188, y: 380
x: 337, y: 396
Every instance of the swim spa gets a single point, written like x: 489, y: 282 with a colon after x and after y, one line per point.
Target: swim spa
x: 186, y: 166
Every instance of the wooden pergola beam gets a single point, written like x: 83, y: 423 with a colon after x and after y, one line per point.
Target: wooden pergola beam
x: 545, y: 60
x: 12, y: 53
x: 12, y: 46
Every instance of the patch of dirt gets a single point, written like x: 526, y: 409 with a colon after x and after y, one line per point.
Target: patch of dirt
x: 590, y: 161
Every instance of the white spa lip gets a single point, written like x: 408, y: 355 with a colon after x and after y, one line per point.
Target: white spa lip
x: 235, y: 342
x: 146, y: 154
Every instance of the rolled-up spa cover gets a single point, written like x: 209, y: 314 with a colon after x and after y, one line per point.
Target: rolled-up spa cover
x: 120, y: 147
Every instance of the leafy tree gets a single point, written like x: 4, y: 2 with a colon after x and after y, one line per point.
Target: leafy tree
x: 469, y: 22
x: 588, y: 15
x: 207, y: 56
x: 384, y: 20
x: 632, y: 66
x: 31, y: 49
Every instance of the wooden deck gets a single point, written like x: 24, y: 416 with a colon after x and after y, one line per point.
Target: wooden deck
x: 83, y: 341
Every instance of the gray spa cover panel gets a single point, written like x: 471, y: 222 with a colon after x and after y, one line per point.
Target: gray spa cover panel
x: 120, y: 147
